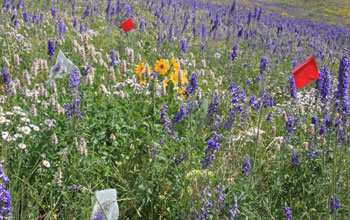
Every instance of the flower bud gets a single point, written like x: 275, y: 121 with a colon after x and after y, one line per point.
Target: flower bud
x: 54, y: 139
x: 312, y: 128
x: 274, y: 130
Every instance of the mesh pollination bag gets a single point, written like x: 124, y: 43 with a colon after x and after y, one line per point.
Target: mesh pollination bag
x: 62, y: 67
x: 106, y: 206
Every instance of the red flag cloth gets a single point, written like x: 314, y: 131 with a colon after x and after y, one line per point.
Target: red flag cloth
x: 127, y: 25
x: 306, y: 72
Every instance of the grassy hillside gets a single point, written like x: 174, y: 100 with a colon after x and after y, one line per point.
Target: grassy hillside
x: 328, y: 11
x: 193, y: 114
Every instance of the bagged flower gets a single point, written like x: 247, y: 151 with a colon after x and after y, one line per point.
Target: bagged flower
x: 62, y: 67
x: 106, y: 206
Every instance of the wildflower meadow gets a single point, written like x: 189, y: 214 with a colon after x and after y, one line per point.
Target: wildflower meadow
x: 196, y: 111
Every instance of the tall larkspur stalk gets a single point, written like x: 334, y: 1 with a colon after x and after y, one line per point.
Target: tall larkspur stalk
x: 7, y: 80
x: 73, y: 110
x: 113, y: 58
x: 263, y: 68
x: 5, y: 197
x: 213, y: 145
x: 341, y: 94
x: 51, y: 50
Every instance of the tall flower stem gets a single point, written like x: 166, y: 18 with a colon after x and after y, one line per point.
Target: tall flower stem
x: 334, y: 172
x: 256, y: 145
x: 223, y: 175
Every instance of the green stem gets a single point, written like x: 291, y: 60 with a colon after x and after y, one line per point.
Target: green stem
x: 224, y: 173
x: 103, y: 210
x: 256, y: 146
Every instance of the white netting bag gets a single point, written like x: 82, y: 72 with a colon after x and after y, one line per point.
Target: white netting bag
x: 106, y: 206
x: 62, y: 67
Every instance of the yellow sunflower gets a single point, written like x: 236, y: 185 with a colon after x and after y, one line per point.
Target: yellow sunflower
x: 173, y: 60
x: 139, y: 69
x: 182, y: 92
x: 162, y: 67
x: 184, y: 78
x: 174, y: 77
x: 142, y: 82
x: 166, y: 81
x: 175, y: 65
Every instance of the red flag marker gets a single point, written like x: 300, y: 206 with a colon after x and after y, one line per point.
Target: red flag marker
x: 127, y: 25
x: 306, y: 72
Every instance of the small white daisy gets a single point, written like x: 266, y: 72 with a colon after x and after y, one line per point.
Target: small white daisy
x: 25, y: 119
x: 46, y: 163
x: 4, y: 134
x: 9, y: 113
x: 22, y: 146
x: 23, y: 114
x: 17, y: 108
x: 2, y: 120
x: 8, y: 138
x: 36, y: 128
x: 2, y: 114
x: 49, y: 123
x: 26, y: 130
x: 17, y: 135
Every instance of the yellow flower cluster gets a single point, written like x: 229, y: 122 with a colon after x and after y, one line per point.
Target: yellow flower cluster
x: 167, y: 71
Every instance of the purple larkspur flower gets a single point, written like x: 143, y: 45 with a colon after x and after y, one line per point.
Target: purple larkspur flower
x: 234, y: 211
x: 246, y: 165
x: 314, y: 121
x: 81, y: 28
x: 193, y: 84
x: 142, y: 25
x: 51, y: 51
x: 57, y: 68
x: 179, y: 158
x: 212, y: 147
x: 41, y: 16
x: 181, y: 114
x: 263, y: 66
x: 287, y: 213
x: 60, y: 27
x: 341, y: 94
x: 86, y: 70
x: 25, y: 17
x: 5, y: 197
x: 7, y: 79
x: 334, y: 204
x: 183, y: 46
x: 113, y: 58
x: 269, y: 117
x: 213, y: 108
x: 75, y: 23
x: 327, y: 87
x: 73, y: 80
x: 295, y: 160
x: 292, y: 87
x: 168, y: 126
x: 86, y: 12
x: 254, y: 103
x: 290, y: 124
x: 15, y: 24
x: 234, y: 52
x: 53, y: 11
